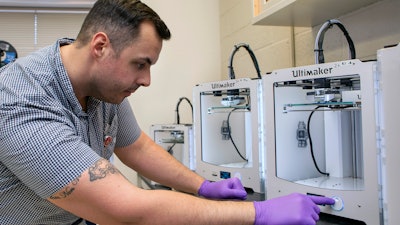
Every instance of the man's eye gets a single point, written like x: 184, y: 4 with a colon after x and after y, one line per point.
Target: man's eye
x: 141, y: 65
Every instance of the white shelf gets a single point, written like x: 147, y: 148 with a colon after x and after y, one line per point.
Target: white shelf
x: 305, y: 13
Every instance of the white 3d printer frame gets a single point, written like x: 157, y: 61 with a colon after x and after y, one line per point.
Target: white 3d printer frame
x: 216, y: 158
x: 358, y: 198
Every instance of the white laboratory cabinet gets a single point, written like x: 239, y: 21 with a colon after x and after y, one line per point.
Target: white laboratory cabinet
x: 303, y: 13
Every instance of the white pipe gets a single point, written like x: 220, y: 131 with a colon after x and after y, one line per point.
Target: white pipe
x: 35, y: 31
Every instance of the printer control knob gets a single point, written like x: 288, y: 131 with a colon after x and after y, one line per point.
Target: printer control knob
x: 339, y: 205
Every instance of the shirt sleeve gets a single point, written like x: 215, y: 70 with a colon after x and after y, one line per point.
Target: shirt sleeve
x: 128, y: 128
x: 41, y: 148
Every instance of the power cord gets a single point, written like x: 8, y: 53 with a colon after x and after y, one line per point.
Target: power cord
x: 319, y: 54
x: 177, y: 108
x: 230, y: 136
x: 310, y: 140
x: 253, y: 58
x: 311, y: 144
x: 169, y: 150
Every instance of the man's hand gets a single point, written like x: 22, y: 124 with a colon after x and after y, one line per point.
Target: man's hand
x: 224, y: 189
x: 294, y: 209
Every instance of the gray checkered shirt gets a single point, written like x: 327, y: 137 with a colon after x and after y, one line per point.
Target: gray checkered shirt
x: 46, y: 140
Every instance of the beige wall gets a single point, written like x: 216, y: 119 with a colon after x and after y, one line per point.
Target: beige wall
x: 371, y: 28
x: 271, y: 45
x: 189, y: 58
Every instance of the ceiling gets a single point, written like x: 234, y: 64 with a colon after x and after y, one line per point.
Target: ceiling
x: 48, y: 3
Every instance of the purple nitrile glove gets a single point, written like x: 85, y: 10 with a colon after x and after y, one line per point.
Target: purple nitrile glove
x: 293, y: 209
x: 230, y: 188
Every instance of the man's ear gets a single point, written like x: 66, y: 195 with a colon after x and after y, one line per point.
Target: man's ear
x: 100, y: 42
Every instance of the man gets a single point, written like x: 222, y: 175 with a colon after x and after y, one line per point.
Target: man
x: 64, y: 112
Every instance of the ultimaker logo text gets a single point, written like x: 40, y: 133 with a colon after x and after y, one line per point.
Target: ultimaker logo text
x: 222, y: 85
x: 311, y: 72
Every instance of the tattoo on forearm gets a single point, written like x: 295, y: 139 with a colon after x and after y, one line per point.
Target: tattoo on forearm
x: 97, y: 171
x: 67, y: 190
x: 101, y: 169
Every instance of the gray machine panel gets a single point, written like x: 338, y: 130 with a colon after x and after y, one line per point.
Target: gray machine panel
x: 388, y: 91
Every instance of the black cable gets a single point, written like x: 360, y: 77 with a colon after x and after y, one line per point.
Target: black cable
x: 169, y: 150
x: 319, y: 54
x: 311, y: 145
x: 310, y: 140
x: 253, y: 58
x: 177, y: 108
x: 350, y: 42
x: 230, y: 136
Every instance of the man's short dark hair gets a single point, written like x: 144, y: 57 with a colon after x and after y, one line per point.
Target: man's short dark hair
x: 120, y: 20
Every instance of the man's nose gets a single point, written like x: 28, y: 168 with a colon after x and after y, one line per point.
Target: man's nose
x: 145, y: 80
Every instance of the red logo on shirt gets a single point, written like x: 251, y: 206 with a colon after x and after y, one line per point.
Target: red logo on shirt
x: 107, y: 140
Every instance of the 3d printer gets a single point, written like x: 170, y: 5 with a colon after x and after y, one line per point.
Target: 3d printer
x: 321, y: 138
x: 227, y: 128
